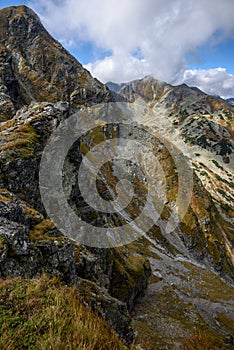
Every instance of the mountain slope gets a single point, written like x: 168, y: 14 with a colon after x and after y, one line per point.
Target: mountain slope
x: 200, y: 127
x: 41, y: 86
x: 198, y: 124
x: 230, y: 101
x: 35, y: 67
x: 188, y: 262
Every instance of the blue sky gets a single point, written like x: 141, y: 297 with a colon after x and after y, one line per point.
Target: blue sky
x: 212, y: 56
x: 177, y: 41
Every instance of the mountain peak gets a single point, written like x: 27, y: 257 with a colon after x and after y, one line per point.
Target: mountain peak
x: 35, y: 67
x: 152, y: 78
x: 20, y: 10
x: 18, y: 20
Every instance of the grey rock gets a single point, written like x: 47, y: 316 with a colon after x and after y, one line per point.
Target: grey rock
x: 24, y: 254
x: 35, y: 67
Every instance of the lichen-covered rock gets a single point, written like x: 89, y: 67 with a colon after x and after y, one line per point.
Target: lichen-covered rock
x: 38, y: 76
x: 22, y: 142
x: 31, y: 246
x: 7, y: 107
x: 111, y: 309
x: 130, y: 273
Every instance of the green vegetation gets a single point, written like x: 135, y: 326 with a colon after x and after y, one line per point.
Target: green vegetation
x: 2, y: 243
x: 224, y: 194
x: 202, y: 141
x: 129, y: 269
x: 203, y: 173
x: 228, y: 115
x: 183, y: 115
x: 226, y: 207
x: 225, y: 147
x: 219, y: 178
x: 217, y: 164
x: 44, y: 314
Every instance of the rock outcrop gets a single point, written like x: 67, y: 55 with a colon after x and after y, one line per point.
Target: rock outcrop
x: 31, y: 246
x: 185, y: 293
x: 41, y: 86
x: 201, y: 127
x: 35, y: 67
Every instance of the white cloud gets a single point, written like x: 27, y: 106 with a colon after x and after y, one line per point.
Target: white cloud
x: 119, y: 68
x: 212, y: 81
x: 163, y: 31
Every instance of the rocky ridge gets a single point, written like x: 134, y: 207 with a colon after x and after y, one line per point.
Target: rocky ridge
x: 35, y: 67
x: 198, y: 124
x: 200, y: 127
x: 186, y: 264
x: 41, y: 86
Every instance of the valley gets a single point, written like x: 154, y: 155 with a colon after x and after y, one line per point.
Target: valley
x: 124, y: 192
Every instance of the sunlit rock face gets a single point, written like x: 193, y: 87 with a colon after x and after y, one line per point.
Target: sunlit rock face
x: 185, y: 283
x: 182, y: 134
x: 35, y: 67
x: 201, y: 127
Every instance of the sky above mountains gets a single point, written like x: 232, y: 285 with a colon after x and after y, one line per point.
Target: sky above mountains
x: 176, y: 41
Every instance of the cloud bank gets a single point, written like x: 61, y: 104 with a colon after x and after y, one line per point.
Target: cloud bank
x: 214, y: 81
x: 145, y: 37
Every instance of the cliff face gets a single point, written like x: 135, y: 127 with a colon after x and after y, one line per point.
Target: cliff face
x: 30, y: 244
x: 35, y: 67
x: 42, y: 85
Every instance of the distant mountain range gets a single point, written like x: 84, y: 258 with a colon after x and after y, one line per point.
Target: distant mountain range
x: 230, y: 101
x: 201, y: 122
x: 117, y: 87
x: 174, y: 283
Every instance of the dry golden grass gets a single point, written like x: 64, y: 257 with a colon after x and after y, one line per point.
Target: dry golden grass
x: 39, y: 231
x: 43, y: 314
x: 200, y: 341
x: 4, y: 198
x: 7, y: 124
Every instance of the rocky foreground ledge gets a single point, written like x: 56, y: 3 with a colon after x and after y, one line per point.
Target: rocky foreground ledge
x: 41, y: 85
x: 35, y: 68
x: 108, y: 280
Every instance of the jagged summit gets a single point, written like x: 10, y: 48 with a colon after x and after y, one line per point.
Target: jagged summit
x: 188, y: 115
x: 156, y: 91
x: 184, y: 141
x: 35, y: 67
x: 16, y: 11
